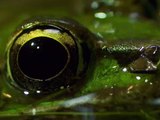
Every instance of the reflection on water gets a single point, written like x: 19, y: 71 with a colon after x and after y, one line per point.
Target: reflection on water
x: 123, y: 28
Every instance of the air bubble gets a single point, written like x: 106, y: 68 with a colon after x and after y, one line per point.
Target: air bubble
x: 100, y: 15
x: 26, y: 92
x: 124, y: 70
x: 38, y: 91
x: 94, y: 5
x: 62, y: 87
x: 138, y: 77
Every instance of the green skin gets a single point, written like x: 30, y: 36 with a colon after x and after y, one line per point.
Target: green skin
x: 111, y: 92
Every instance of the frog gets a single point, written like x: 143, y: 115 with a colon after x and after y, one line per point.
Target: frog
x: 123, y: 81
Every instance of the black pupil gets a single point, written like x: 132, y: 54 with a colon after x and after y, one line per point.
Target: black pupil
x: 42, y: 58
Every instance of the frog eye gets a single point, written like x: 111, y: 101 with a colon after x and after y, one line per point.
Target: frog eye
x: 37, y: 58
x: 45, y: 57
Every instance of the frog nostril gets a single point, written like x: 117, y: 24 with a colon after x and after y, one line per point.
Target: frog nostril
x: 43, y: 58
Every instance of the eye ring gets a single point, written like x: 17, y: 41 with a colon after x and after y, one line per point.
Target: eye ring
x: 22, y: 41
x: 50, y: 32
x: 71, y: 38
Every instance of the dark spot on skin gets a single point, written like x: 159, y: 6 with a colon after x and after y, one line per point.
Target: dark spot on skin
x: 142, y: 65
x: 147, y: 62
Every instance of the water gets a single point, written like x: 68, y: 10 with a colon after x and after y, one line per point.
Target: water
x: 113, y: 91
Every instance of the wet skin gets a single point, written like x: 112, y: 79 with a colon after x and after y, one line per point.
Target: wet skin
x: 124, y: 82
